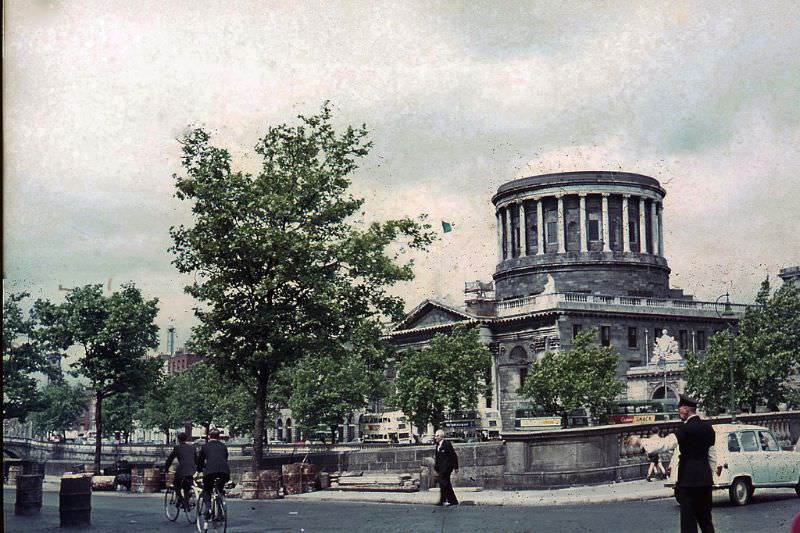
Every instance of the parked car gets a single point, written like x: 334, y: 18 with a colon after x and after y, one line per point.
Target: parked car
x: 748, y: 457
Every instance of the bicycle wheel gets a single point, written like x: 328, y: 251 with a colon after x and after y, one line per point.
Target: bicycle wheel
x: 200, y: 515
x: 219, y: 515
x: 171, y: 510
x: 190, y: 507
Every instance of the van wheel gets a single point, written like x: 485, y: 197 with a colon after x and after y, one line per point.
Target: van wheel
x: 797, y: 488
x: 740, y: 491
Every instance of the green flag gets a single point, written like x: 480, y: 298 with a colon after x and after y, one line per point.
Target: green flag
x: 447, y: 227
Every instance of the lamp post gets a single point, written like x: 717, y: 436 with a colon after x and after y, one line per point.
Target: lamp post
x: 729, y: 317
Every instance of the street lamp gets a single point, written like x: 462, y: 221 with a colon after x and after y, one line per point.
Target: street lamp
x: 729, y: 317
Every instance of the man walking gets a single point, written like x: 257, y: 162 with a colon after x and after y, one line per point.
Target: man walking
x: 213, y: 462
x: 695, y: 440
x: 446, y: 462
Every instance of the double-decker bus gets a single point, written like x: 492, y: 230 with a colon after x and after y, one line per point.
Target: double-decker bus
x: 387, y: 427
x: 642, y: 411
x: 536, y: 419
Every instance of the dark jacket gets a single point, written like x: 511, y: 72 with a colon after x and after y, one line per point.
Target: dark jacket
x: 695, y: 437
x: 446, y: 458
x: 213, y: 458
x: 187, y: 459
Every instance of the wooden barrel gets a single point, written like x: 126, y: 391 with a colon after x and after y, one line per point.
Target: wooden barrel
x: 292, y: 478
x: 29, y: 495
x: 309, y: 476
x: 324, y: 480
x: 137, y: 479
x: 75, y: 502
x: 250, y: 486
x: 151, y: 481
x: 14, y: 471
x: 269, y: 484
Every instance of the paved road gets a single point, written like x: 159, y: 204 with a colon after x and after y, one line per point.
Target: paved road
x: 143, y: 514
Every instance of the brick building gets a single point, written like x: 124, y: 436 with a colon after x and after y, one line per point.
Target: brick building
x: 182, y: 360
x: 575, y: 251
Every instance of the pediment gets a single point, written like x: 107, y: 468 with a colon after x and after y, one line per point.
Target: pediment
x: 431, y: 313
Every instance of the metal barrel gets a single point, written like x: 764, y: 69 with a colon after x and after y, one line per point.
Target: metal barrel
x: 292, y: 478
x: 269, y: 484
x: 29, y: 495
x: 309, y: 476
x: 75, y: 502
x: 152, y: 480
x: 251, y: 486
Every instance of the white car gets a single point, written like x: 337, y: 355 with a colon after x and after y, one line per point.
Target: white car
x: 748, y: 458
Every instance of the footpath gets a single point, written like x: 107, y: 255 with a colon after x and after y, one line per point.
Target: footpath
x: 611, y: 492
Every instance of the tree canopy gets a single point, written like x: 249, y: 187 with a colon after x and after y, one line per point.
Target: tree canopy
x: 449, y: 374
x: 114, y: 333
x: 582, y: 377
x: 281, y: 266
x: 766, y: 354
x: 63, y: 403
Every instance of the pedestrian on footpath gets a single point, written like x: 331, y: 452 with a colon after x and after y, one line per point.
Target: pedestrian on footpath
x: 445, y: 464
x: 656, y: 469
x: 695, y: 441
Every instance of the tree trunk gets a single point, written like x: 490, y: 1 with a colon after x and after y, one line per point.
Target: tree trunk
x: 258, y: 430
x: 166, y: 434
x: 98, y: 436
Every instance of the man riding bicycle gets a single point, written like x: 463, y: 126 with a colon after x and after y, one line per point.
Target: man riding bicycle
x: 213, y: 462
x: 187, y: 466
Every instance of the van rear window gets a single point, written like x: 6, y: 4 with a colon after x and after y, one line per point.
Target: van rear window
x: 749, y: 442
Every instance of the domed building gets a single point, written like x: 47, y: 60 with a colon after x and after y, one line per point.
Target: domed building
x: 575, y: 251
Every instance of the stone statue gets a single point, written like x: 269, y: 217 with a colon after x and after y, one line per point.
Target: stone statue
x: 666, y: 347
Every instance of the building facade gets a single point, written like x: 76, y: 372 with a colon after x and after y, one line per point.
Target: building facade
x: 575, y: 251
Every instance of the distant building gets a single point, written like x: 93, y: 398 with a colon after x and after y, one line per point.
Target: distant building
x: 790, y: 275
x: 575, y: 251
x: 182, y: 360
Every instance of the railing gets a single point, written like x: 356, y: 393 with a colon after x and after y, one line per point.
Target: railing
x: 548, y: 301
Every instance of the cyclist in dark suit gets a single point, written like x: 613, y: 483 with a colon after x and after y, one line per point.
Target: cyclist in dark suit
x: 446, y: 462
x: 213, y: 462
x: 186, y: 455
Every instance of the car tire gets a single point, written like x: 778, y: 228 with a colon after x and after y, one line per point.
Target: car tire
x: 740, y: 491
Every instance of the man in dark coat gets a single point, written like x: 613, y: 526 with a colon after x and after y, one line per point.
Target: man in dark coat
x: 446, y: 463
x: 213, y: 461
x: 186, y: 455
x: 695, y: 440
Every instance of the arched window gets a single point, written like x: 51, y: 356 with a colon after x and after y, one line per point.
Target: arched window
x: 289, y: 430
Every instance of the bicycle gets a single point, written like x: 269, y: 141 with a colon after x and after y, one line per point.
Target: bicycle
x: 173, y: 508
x: 218, y: 516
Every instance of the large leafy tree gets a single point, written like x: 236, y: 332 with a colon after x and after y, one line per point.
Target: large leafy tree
x: 113, y: 334
x: 281, y: 268
x: 327, y: 387
x: 63, y: 403
x: 119, y: 414
x: 447, y: 375
x: 582, y: 377
x: 161, y: 408
x: 23, y: 358
x: 766, y: 355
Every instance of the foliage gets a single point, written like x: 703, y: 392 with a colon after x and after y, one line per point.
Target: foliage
x: 119, y: 413
x: 23, y: 357
x: 448, y: 374
x: 114, y: 333
x: 766, y: 354
x: 582, y: 377
x: 280, y: 268
x: 160, y: 409
x: 62, y: 404
x: 327, y: 387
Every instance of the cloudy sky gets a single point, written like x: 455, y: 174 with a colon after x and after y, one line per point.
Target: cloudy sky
x: 459, y: 97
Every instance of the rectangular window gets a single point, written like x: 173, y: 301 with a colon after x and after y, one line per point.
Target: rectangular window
x: 701, y: 340
x: 605, y: 335
x: 594, y: 230
x: 523, y: 373
x: 576, y: 328
x: 749, y: 442
x: 633, y: 342
x: 683, y: 340
x: 552, y: 232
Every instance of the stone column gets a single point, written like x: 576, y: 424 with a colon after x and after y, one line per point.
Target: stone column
x: 499, y: 217
x: 626, y: 231
x: 606, y: 235
x: 654, y: 226
x: 509, y: 234
x: 661, y: 229
x: 561, y: 241
x: 642, y: 227
x: 523, y: 223
x: 582, y: 222
x: 540, y: 226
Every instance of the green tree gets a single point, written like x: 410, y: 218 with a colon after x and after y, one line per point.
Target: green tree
x: 585, y: 376
x: 766, y: 354
x: 114, y: 334
x: 281, y: 267
x: 119, y: 414
x: 63, y: 403
x: 448, y: 374
x: 161, y: 409
x: 23, y: 357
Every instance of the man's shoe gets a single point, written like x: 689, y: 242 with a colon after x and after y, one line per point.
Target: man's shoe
x: 438, y: 504
x: 451, y: 504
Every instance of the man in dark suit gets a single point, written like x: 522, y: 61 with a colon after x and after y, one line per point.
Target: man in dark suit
x: 695, y: 440
x: 446, y: 463
x: 213, y: 462
x: 186, y: 455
